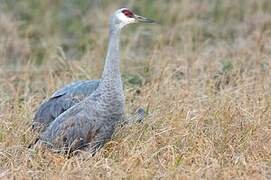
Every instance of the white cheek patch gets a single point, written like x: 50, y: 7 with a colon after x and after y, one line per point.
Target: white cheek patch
x: 124, y: 20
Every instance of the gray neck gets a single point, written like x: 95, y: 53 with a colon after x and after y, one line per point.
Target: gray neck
x: 109, y: 94
x: 111, y: 68
x: 110, y: 88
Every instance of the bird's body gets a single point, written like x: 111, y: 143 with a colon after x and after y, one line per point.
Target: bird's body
x: 80, y: 126
x: 91, y: 120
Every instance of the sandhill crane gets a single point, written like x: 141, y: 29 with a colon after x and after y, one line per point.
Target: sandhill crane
x: 91, y: 108
x: 71, y: 94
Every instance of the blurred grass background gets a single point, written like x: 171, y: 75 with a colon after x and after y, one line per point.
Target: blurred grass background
x: 75, y: 25
x: 203, y: 74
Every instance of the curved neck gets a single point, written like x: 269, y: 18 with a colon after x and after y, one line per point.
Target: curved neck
x: 110, y: 91
x: 109, y: 95
x: 111, y: 67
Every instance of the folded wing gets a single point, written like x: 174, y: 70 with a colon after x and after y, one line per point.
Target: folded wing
x: 61, y: 101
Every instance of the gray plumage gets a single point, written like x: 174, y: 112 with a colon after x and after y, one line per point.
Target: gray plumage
x: 90, y: 122
x: 62, y: 100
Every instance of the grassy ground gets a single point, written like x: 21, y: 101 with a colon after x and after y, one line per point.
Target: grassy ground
x: 203, y: 75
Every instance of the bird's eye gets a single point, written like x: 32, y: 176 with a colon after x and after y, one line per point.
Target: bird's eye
x: 128, y: 13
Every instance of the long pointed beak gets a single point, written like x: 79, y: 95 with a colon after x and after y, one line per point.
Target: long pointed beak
x: 144, y: 20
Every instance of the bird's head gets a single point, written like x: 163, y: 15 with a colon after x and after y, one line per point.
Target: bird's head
x: 124, y: 16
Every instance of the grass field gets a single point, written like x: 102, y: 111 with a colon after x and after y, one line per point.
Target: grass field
x: 203, y: 76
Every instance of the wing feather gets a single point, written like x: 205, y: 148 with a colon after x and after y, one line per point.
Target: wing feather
x: 80, y: 126
x: 61, y: 101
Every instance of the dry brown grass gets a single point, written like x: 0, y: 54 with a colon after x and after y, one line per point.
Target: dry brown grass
x: 206, y: 85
